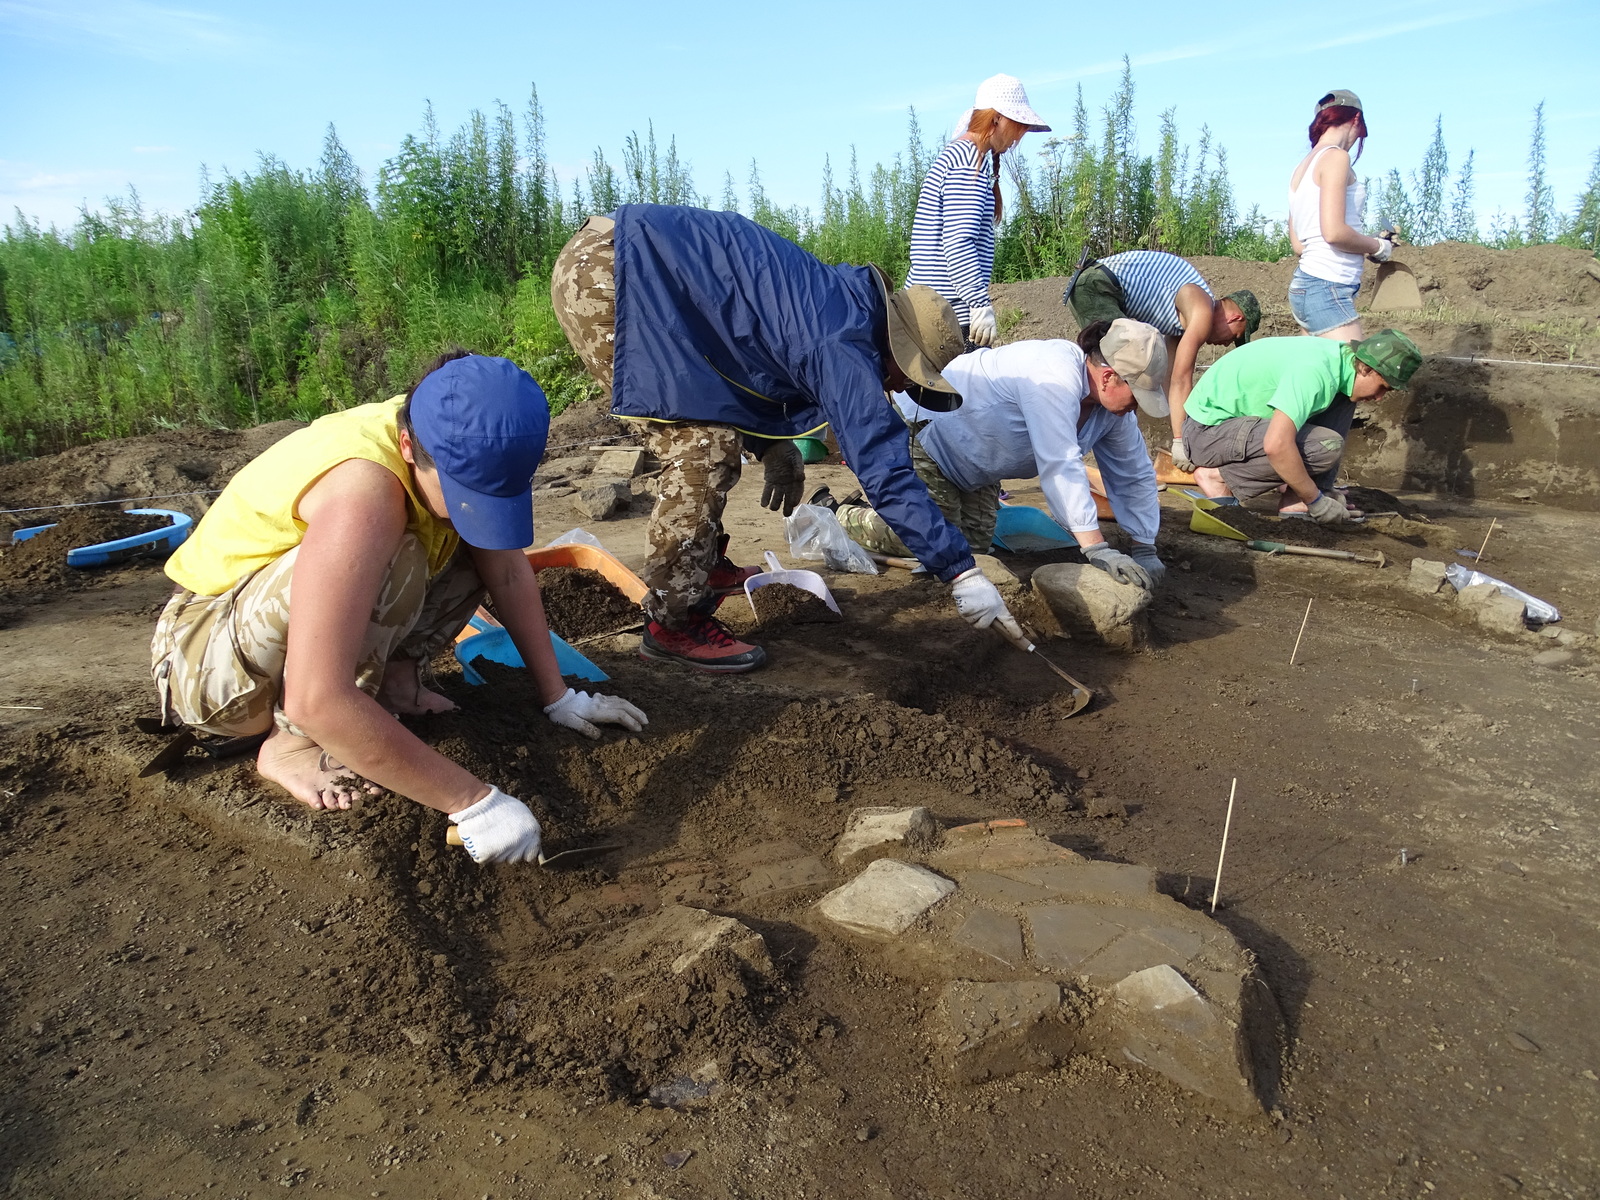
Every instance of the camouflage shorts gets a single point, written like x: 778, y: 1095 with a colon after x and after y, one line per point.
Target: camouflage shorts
x: 973, y: 513
x: 699, y: 466
x: 583, y: 289
x: 218, y: 661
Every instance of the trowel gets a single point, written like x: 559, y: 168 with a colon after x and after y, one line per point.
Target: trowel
x: 574, y: 857
x: 1205, y: 520
x: 1080, y: 694
x: 1396, y: 288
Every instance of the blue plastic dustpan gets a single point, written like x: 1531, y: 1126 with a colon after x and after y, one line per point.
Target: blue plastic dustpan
x: 1022, y: 529
x: 169, y: 537
x: 494, y: 643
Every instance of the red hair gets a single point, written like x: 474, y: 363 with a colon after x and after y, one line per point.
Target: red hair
x: 981, y: 128
x: 1335, y: 115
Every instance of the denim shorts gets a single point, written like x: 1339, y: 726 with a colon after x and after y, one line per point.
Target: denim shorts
x: 1319, y: 305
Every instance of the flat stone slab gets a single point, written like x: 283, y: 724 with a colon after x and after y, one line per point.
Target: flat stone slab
x: 619, y: 464
x: 885, y: 899
x: 678, y: 938
x: 987, y: 1030
x: 774, y: 878
x: 1105, y: 882
x: 1064, y: 936
x: 875, y: 831
x: 993, y: 935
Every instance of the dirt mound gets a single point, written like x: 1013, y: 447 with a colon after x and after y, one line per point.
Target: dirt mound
x: 781, y: 604
x: 40, y: 562
x: 580, y: 603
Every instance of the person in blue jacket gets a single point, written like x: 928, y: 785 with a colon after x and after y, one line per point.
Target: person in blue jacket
x: 717, y: 334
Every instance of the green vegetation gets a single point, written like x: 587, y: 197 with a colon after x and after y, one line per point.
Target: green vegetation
x: 291, y: 293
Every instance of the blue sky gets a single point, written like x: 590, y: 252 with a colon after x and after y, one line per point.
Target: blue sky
x: 99, y: 95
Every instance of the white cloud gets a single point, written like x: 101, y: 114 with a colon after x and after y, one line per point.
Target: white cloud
x: 131, y: 27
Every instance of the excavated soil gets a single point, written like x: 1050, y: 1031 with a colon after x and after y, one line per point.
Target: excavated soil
x: 781, y: 604
x: 580, y: 603
x: 40, y: 562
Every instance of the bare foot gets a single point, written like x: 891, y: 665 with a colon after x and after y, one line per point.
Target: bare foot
x: 309, y: 773
x: 402, y: 692
x: 1209, y: 481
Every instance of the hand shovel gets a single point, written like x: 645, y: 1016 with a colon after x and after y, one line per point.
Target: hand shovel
x: 1396, y: 288
x: 561, y: 859
x: 1080, y: 694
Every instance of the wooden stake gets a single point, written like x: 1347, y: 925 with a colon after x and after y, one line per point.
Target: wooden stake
x: 35, y: 707
x: 1226, y: 825
x: 1492, y: 520
x: 1302, y: 632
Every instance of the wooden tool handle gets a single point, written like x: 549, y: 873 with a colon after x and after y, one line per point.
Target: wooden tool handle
x: 452, y: 837
x: 905, y: 564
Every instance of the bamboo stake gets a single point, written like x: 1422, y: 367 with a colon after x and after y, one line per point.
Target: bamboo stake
x: 1302, y: 633
x: 1226, y: 825
x: 34, y: 707
x: 1492, y: 520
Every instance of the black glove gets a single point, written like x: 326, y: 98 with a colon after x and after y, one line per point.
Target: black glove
x: 784, y: 476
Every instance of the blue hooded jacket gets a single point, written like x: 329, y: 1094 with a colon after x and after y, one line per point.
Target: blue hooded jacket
x: 722, y: 321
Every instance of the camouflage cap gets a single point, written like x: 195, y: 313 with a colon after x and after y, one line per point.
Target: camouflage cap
x: 1343, y: 97
x: 1391, y: 354
x: 1251, y: 308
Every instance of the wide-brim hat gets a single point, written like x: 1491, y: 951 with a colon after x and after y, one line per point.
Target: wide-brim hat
x: 1005, y: 94
x: 1138, y: 353
x: 924, y: 335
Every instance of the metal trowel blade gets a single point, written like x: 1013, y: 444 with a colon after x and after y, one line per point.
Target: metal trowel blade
x: 577, y: 856
x: 1080, y: 694
x: 169, y: 755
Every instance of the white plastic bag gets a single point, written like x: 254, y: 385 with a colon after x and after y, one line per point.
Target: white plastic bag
x: 1533, y: 608
x: 577, y: 536
x: 815, y: 534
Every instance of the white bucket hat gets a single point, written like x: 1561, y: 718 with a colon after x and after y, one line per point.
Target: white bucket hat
x: 1005, y: 95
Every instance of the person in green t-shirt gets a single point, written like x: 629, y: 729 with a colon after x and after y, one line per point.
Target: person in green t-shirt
x: 1248, y: 424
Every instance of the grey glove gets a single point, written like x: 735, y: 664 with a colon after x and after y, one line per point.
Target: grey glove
x: 1328, y: 509
x: 1180, y: 456
x: 784, y: 477
x: 1145, y: 555
x: 1119, y: 566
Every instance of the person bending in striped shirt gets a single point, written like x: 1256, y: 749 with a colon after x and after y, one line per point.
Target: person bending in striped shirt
x: 1164, y: 290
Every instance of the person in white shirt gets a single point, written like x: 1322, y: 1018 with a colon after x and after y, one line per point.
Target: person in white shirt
x: 1035, y: 408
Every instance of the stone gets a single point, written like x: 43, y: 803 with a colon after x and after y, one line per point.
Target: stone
x: 873, y: 832
x: 678, y: 937
x: 1427, y: 576
x: 993, y: 935
x: 619, y: 464
x: 1106, y: 882
x: 1089, y: 603
x: 1064, y: 936
x: 885, y: 899
x: 565, y: 468
x: 997, y: 889
x: 1104, y: 806
x: 1553, y: 658
x: 989, y: 1030
x: 997, y: 573
x: 772, y: 878
x: 1502, y: 614
x: 1158, y: 1021
x: 604, y: 500
x: 1471, y: 597
x: 1133, y: 952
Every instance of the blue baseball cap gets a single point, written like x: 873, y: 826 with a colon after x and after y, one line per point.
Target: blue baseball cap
x: 484, y: 421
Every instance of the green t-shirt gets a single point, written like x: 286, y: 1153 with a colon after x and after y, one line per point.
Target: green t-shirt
x: 1297, y: 376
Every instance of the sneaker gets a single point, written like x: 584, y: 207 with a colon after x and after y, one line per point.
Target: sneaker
x: 704, y: 643
x: 823, y: 498
x: 725, y: 576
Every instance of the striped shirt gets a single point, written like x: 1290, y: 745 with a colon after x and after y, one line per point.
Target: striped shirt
x: 952, y: 238
x: 1150, y: 281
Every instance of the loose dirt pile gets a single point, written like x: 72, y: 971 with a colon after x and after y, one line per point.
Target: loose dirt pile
x: 781, y: 604
x: 580, y: 603
x: 40, y: 562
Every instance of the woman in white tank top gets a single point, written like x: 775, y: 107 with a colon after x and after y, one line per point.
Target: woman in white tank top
x: 1327, y: 207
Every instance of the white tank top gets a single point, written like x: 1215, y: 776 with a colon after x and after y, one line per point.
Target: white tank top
x: 1305, y: 209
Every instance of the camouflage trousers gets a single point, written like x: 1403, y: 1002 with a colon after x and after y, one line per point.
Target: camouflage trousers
x: 699, y: 466
x: 583, y: 288
x: 973, y: 513
x: 218, y: 661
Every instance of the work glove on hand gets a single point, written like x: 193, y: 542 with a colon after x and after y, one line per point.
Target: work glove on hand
x: 1145, y: 555
x: 1180, y: 456
x: 1119, y: 566
x: 578, y: 710
x: 981, y: 326
x: 1328, y: 509
x: 1384, y: 250
x: 979, y: 603
x: 499, y: 828
x: 784, y: 480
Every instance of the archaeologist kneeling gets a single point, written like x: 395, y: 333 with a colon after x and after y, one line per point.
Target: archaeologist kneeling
x: 390, y: 521
x: 1248, y: 425
x: 1036, y: 408
x: 716, y: 334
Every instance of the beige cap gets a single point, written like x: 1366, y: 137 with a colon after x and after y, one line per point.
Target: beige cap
x: 1138, y: 353
x: 924, y: 336
x: 1343, y: 97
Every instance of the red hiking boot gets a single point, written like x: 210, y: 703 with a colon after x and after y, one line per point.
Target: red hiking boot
x: 704, y: 643
x: 725, y: 577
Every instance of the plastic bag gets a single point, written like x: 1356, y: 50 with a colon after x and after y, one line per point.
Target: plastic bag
x: 577, y: 536
x: 1533, y: 608
x: 815, y: 534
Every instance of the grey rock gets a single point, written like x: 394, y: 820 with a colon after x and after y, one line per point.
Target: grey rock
x: 993, y: 935
x: 1502, y: 614
x: 873, y: 832
x: 989, y: 1030
x: 1089, y: 603
x: 678, y: 938
x: 1554, y: 658
x: 619, y: 464
x: 604, y: 500
x: 1427, y: 576
x: 885, y: 899
x: 1064, y: 936
x: 997, y: 573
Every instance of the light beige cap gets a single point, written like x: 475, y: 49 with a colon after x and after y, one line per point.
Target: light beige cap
x: 1138, y: 353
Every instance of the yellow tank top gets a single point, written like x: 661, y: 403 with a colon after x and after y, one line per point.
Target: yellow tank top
x: 256, y: 518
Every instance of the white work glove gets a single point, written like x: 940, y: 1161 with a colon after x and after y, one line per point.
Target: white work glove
x: 979, y: 603
x: 1145, y: 555
x: 981, y: 326
x: 1328, y: 509
x: 1384, y: 250
x: 578, y: 711
x: 499, y: 828
x: 1180, y: 456
x: 1119, y: 566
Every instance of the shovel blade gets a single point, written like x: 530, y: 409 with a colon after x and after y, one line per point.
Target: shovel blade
x: 1080, y: 694
x: 1396, y: 289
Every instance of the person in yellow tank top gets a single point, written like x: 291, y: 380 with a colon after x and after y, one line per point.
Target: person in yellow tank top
x: 391, y: 522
